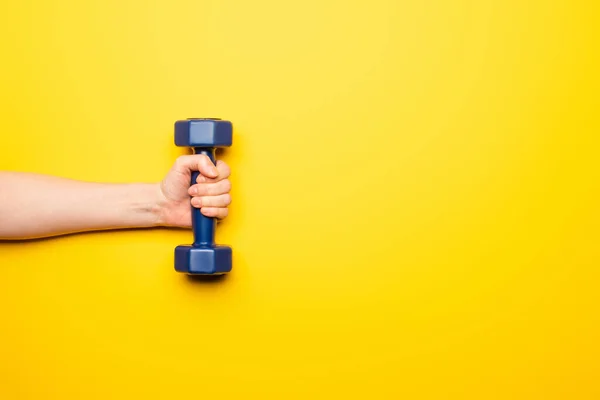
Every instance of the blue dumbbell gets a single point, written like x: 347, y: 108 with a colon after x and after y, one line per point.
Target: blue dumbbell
x: 203, y: 256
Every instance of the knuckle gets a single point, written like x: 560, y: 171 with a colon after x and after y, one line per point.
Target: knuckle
x: 226, y: 170
x: 223, y: 168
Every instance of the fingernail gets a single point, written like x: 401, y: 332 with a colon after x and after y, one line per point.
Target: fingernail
x: 194, y: 190
x: 200, y: 179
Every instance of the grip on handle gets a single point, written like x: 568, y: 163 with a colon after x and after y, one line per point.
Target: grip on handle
x: 203, y: 227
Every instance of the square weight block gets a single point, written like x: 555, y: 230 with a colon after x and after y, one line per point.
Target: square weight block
x: 194, y: 260
x: 203, y: 132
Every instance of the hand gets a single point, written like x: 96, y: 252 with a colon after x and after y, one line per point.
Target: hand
x: 210, y: 193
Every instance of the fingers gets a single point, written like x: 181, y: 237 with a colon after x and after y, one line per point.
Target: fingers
x: 210, y: 189
x: 212, y: 201
x: 211, y: 192
x: 223, y: 172
x: 212, y: 198
x: 211, y: 212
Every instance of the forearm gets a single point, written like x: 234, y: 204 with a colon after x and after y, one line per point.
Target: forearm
x: 33, y: 206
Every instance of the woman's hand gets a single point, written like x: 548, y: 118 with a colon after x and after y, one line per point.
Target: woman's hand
x: 210, y: 193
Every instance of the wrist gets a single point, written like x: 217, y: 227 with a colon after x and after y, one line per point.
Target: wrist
x: 159, y: 205
x: 144, y: 205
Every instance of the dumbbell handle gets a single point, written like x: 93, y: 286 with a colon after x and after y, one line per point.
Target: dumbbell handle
x: 203, y: 227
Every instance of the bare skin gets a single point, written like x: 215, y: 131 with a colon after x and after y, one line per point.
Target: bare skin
x: 36, y: 205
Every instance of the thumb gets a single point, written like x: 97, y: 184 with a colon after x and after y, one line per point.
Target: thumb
x: 198, y: 162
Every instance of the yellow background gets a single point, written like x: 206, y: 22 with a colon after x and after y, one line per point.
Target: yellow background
x: 415, y: 199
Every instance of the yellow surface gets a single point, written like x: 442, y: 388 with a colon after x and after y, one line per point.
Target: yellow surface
x: 416, y: 199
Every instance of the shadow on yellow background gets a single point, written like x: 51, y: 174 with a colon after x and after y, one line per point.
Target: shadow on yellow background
x: 415, y: 199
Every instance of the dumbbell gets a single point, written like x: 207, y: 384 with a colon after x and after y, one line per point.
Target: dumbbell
x: 203, y: 256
